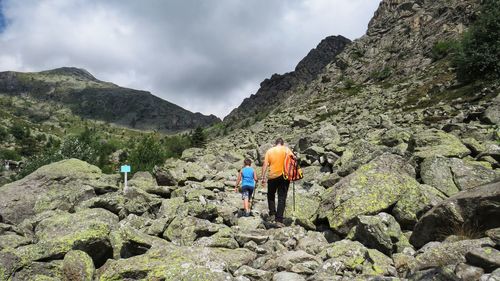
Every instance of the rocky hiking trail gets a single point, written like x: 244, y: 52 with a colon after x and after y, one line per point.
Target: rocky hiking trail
x: 69, y: 221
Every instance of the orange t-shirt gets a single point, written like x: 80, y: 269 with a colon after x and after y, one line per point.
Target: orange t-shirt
x: 275, y: 157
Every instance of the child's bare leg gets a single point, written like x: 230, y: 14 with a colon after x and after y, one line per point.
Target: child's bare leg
x: 245, y: 204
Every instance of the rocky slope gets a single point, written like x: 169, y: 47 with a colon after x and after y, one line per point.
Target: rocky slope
x: 402, y: 182
x: 273, y: 90
x: 93, y: 99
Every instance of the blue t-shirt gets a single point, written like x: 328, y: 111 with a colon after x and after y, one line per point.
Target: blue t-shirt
x: 247, y: 178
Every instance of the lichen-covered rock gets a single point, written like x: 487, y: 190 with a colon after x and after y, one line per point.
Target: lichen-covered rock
x: 356, y: 257
x: 177, y: 172
x: 77, y: 266
x: 13, y: 241
x: 40, y: 271
x: 306, y: 208
x: 395, y: 136
x: 178, y: 263
x: 145, y: 181
x: 450, y: 175
x: 492, y: 113
x: 9, y: 263
x: 254, y: 274
x: 87, y: 230
x: 372, y: 188
x: 445, y: 254
x: 434, y: 142
x: 494, y: 234
x: 185, y: 230
x: 58, y: 185
x: 380, y: 232
x: 313, y: 243
x: 356, y: 154
x: 467, y: 272
x: 467, y: 209
x: 294, y: 261
x: 139, y: 202
x: 128, y: 242
x: 414, y: 203
x: 224, y: 238
x: 169, y: 207
x: 249, y: 223
x: 486, y: 257
x: 287, y: 276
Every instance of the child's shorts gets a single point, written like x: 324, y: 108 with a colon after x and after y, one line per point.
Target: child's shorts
x: 246, y: 192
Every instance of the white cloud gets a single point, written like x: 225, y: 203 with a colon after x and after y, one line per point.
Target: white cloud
x: 205, y: 56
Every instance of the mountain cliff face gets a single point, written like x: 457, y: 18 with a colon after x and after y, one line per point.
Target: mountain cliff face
x: 275, y: 89
x: 93, y: 99
x: 401, y: 181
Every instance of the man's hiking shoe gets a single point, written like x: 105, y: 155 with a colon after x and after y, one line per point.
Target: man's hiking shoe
x: 268, y: 218
x: 279, y: 224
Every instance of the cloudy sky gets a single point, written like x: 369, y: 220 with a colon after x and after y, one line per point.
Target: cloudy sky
x: 205, y: 56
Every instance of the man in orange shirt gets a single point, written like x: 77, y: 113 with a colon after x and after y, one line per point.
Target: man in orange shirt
x: 275, y: 160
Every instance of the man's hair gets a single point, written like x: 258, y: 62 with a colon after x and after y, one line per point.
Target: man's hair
x: 247, y: 162
x: 279, y: 141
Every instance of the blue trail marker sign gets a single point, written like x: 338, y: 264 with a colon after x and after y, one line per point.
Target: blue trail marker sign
x: 125, y: 169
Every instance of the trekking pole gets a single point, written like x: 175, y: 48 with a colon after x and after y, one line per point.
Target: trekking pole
x: 293, y: 190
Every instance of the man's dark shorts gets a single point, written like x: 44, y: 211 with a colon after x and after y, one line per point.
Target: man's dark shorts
x: 246, y: 192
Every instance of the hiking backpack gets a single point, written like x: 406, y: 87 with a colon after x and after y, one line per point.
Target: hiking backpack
x: 291, y: 169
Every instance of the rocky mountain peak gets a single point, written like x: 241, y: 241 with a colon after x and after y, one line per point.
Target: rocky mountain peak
x: 326, y: 51
x: 274, y: 90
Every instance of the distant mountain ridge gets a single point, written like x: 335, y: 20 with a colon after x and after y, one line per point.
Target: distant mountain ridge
x: 91, y: 98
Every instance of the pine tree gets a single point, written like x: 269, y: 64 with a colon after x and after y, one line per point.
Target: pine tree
x: 198, y: 138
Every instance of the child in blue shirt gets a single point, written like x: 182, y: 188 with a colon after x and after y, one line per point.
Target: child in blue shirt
x: 248, y: 179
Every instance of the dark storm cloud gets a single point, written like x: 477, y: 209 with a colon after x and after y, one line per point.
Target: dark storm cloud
x: 203, y: 55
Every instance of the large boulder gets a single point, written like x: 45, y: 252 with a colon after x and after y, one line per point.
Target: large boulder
x: 446, y: 254
x: 353, y: 256
x: 356, y: 154
x: 178, y: 263
x: 177, y: 172
x: 380, y: 232
x: 146, y: 182
x: 61, y: 185
x: 487, y: 258
x: 433, y: 142
x: 476, y: 209
x: 78, y: 266
x: 304, y: 210
x: 414, y: 203
x: 492, y: 114
x: 450, y: 175
x: 185, y: 230
x: 374, y: 187
x: 87, y: 230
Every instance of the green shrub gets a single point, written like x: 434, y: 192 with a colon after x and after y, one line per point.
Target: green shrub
x: 33, y: 163
x: 147, y: 153
x: 444, y: 48
x: 380, y: 75
x: 29, y: 146
x: 479, y: 52
x: 7, y: 154
x: 175, y: 145
x: 73, y: 147
x: 3, y: 134
x: 19, y: 132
